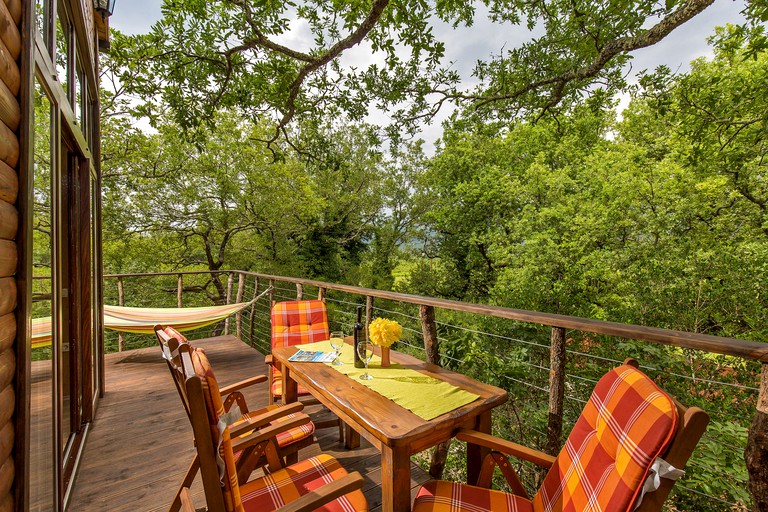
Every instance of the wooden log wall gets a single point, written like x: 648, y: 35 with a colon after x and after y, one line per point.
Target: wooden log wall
x: 10, y: 118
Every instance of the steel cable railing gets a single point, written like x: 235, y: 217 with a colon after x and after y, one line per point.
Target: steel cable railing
x: 523, y: 360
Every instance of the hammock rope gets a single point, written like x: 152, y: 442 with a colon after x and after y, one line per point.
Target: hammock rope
x: 143, y: 320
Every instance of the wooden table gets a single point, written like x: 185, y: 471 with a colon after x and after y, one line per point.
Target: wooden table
x: 394, y: 430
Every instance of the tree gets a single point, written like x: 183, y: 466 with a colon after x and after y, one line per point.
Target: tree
x: 207, y: 55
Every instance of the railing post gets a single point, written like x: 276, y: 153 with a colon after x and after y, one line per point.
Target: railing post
x: 251, y: 327
x: 429, y: 329
x: 556, y: 390
x: 239, y: 315
x: 271, y: 293
x: 179, y: 290
x: 120, y: 302
x: 230, y: 284
x: 299, y: 291
x: 321, y: 294
x: 432, y: 348
x: 756, y: 452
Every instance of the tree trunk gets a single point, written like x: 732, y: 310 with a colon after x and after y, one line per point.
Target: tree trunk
x: 756, y: 453
x: 556, y: 390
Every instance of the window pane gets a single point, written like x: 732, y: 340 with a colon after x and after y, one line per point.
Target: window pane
x: 42, y: 469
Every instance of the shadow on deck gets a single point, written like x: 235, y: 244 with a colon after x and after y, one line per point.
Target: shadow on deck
x: 141, y: 442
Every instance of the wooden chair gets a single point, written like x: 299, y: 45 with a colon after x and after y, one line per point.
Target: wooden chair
x: 626, y: 426
x: 318, y: 483
x: 289, y: 442
x: 294, y: 322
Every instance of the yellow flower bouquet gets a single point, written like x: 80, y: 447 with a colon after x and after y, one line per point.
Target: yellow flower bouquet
x: 384, y: 332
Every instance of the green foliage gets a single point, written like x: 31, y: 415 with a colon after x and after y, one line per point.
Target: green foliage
x: 354, y: 57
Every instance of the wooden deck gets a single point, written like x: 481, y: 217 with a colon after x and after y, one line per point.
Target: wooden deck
x: 141, y: 441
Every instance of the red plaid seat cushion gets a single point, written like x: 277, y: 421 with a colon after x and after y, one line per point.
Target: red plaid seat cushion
x: 289, y: 436
x: 284, y: 486
x: 441, y: 496
x: 277, y: 386
x: 627, y: 423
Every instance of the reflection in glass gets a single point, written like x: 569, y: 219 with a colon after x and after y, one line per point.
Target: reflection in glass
x: 40, y: 19
x: 63, y: 31
x: 42, y: 462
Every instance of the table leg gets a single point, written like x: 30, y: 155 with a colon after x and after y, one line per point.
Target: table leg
x: 475, y: 453
x: 395, y: 479
x: 290, y: 395
x: 290, y: 388
x: 351, y: 437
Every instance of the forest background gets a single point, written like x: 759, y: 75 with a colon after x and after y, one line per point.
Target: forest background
x: 659, y: 217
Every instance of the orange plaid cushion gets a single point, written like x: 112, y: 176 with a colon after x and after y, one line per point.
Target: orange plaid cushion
x: 289, y: 436
x: 441, y: 496
x: 299, y: 321
x: 173, y: 333
x: 627, y: 423
x: 277, y: 386
x: 284, y: 486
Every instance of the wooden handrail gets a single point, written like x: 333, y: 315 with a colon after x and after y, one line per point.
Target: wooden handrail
x: 746, y: 349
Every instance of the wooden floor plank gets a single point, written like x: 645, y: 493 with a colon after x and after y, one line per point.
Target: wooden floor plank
x: 141, y: 443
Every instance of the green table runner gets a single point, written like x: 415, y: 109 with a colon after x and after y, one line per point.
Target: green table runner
x: 421, y: 394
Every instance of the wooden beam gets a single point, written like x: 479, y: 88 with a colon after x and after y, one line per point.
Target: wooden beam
x: 9, y: 32
x: 9, y: 255
x: 9, y: 145
x: 7, y: 406
x: 9, y: 71
x: 7, y: 295
x: 7, y: 372
x: 14, y: 7
x: 9, y: 221
x: 10, y: 112
x: 7, y: 331
x: 9, y: 183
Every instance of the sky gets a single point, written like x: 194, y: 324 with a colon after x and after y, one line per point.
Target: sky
x: 464, y: 46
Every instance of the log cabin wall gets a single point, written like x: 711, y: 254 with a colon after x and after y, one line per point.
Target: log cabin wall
x: 10, y: 120
x: 28, y: 49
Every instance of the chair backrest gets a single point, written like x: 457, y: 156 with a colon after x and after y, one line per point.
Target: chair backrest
x: 627, y: 423
x: 299, y: 321
x: 169, y: 340
x: 200, y: 391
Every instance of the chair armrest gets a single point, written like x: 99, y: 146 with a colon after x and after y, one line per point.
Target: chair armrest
x: 258, y: 379
x: 507, y: 447
x: 268, y: 416
x: 268, y: 359
x: 266, y: 433
x: 325, y: 494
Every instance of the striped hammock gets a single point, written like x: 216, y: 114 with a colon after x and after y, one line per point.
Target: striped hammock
x: 142, y: 320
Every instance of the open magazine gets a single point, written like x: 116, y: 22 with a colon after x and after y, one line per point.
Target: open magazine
x: 312, y: 356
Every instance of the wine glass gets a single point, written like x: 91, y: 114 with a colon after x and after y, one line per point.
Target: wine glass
x: 365, y: 351
x: 337, y: 341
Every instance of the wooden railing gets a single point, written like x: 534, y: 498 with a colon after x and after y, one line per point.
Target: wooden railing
x: 756, y: 453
